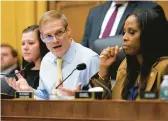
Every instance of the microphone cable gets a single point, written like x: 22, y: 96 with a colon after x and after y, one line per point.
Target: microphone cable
x: 103, y: 85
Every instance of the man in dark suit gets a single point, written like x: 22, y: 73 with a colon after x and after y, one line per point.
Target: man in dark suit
x: 9, y: 63
x: 99, y: 16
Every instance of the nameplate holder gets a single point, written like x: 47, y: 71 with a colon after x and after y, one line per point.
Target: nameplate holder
x: 84, y: 94
x: 149, y: 95
x: 24, y: 95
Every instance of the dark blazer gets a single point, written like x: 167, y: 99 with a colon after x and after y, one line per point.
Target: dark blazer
x: 5, y: 88
x: 97, y: 14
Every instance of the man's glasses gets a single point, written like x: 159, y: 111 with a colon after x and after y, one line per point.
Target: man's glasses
x: 49, y: 38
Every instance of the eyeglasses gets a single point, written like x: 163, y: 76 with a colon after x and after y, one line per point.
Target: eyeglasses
x: 49, y: 38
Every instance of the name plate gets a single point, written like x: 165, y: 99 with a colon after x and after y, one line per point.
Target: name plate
x: 149, y: 95
x: 24, y: 95
x: 82, y: 94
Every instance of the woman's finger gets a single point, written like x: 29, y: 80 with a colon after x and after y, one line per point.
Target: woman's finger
x: 112, y: 50
x: 108, y: 51
x: 117, y: 49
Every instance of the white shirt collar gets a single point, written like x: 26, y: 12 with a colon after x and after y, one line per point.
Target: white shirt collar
x: 113, y: 4
x: 68, y: 57
x: 8, y: 70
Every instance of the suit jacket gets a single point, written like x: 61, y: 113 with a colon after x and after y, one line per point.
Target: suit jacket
x: 158, y: 70
x: 97, y: 14
x: 5, y: 88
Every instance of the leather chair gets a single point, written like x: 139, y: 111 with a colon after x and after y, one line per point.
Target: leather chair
x: 102, y: 43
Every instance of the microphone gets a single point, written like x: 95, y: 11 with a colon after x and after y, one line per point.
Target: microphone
x: 27, y: 67
x: 79, y: 67
x: 106, y: 88
x: 86, y: 87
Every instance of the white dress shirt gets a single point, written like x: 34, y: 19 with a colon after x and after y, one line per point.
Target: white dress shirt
x: 111, y: 9
x: 75, y: 55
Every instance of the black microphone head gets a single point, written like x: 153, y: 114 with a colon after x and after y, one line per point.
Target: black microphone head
x: 29, y: 65
x: 26, y: 67
x: 85, y: 87
x: 81, y: 66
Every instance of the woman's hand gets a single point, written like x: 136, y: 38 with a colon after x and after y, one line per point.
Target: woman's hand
x: 107, y: 58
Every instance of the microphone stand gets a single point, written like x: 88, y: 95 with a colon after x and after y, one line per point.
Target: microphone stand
x: 65, y: 79
x: 105, y: 87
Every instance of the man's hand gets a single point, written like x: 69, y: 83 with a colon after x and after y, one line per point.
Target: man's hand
x: 20, y: 85
x: 67, y: 92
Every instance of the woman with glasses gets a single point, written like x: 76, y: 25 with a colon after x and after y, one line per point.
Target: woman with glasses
x: 33, y: 50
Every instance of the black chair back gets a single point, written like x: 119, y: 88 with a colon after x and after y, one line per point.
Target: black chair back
x: 102, y: 43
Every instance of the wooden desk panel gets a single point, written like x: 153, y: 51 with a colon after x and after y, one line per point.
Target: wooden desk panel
x: 82, y: 110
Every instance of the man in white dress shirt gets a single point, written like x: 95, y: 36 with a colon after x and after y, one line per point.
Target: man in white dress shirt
x: 99, y: 17
x: 55, y: 32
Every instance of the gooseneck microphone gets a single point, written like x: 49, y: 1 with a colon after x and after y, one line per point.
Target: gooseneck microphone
x: 79, y: 67
x: 86, y: 87
x: 27, y: 67
x: 106, y: 88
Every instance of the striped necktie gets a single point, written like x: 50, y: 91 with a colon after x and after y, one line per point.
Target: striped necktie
x: 110, y: 23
